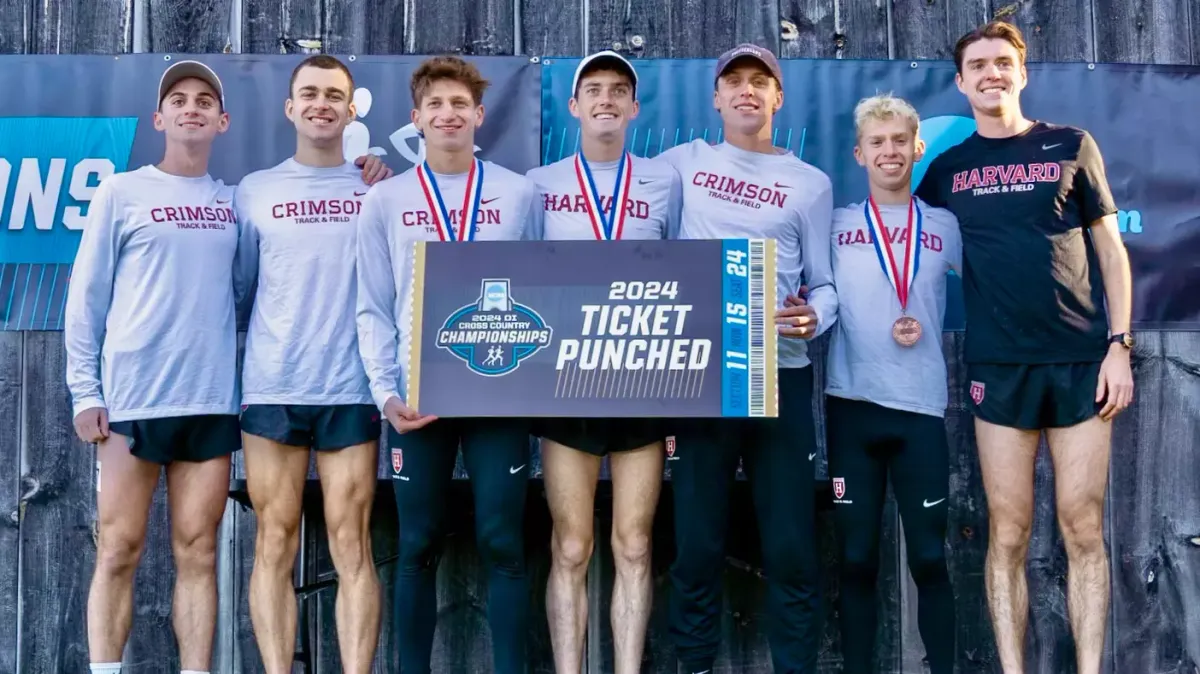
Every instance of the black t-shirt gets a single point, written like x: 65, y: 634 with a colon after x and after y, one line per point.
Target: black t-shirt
x: 1032, y: 288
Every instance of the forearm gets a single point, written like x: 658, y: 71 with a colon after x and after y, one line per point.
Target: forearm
x: 1118, y: 286
x: 824, y: 301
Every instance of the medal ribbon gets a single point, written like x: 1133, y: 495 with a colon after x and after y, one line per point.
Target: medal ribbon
x: 441, y: 217
x: 606, y: 226
x: 901, y: 280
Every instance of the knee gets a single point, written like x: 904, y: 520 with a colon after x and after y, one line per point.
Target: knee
x: 501, y: 542
x: 350, y: 546
x: 1009, y: 534
x: 928, y: 565
x: 418, y: 546
x: 277, y: 544
x: 631, y: 549
x: 860, y: 562
x: 195, y: 551
x: 118, y: 552
x: 1082, y: 527
x: 572, y: 549
x: 790, y: 559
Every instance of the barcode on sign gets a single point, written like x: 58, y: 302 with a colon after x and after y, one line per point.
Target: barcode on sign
x: 758, y: 328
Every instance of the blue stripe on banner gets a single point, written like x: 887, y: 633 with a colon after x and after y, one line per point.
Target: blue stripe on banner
x: 735, y: 328
x: 33, y: 296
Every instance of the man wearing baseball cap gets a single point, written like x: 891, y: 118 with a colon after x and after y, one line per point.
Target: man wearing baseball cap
x: 792, y: 203
x: 603, y: 193
x: 151, y: 343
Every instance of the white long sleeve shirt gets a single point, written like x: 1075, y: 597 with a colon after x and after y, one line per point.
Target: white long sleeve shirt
x: 395, y: 215
x: 149, y: 322
x: 731, y: 193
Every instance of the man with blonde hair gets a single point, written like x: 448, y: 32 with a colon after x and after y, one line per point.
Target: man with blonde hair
x: 886, y: 386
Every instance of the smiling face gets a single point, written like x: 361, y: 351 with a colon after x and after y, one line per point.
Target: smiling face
x: 191, y: 113
x: 604, y: 104
x: 320, y: 105
x: 747, y: 96
x: 448, y: 116
x: 992, y: 76
x: 888, y: 147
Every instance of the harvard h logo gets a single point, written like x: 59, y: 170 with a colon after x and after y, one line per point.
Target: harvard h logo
x: 977, y: 392
x: 839, y: 487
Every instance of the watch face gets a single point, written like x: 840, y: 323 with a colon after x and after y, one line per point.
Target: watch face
x: 1128, y: 339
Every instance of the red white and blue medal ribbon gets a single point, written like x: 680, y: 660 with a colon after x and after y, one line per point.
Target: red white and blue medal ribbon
x: 900, y: 278
x: 610, y: 225
x: 441, y: 217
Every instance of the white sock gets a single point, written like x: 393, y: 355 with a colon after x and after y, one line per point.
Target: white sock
x: 105, y: 667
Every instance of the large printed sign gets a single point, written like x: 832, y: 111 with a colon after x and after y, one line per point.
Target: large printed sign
x: 590, y: 328
x: 1131, y: 110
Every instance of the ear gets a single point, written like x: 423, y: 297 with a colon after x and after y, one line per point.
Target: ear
x: 478, y: 116
x: 415, y: 118
x: 573, y: 106
x: 353, y: 112
x: 1024, y: 77
x: 160, y: 124
x: 958, y: 82
x: 919, y: 150
x: 223, y: 123
x: 288, y: 109
x: 635, y: 110
x: 858, y: 155
x: 716, y: 99
x: 778, y: 100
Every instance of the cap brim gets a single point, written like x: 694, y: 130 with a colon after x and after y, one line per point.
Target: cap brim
x: 594, y: 61
x: 185, y: 69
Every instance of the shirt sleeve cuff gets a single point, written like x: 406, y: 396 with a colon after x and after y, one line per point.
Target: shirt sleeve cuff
x: 85, y: 404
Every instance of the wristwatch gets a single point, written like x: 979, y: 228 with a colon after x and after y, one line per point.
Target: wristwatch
x: 1123, y: 338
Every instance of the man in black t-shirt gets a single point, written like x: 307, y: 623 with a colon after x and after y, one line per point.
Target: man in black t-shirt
x: 1046, y: 286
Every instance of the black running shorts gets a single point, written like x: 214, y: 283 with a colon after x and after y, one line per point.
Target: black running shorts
x: 601, y: 437
x: 320, y: 427
x: 1033, y: 397
x: 190, y: 438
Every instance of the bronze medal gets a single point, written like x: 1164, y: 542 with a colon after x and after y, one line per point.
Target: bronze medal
x: 906, y: 331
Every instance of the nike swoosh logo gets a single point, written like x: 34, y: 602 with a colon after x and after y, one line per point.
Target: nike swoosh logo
x: 927, y: 504
x: 513, y: 471
x: 222, y: 201
x: 359, y: 194
x: 487, y: 201
x: 1050, y: 147
x: 644, y: 182
x: 812, y: 456
x: 781, y: 186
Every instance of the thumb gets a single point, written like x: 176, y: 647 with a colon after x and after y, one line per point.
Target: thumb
x: 360, y: 161
x: 104, y: 423
x: 1101, y: 386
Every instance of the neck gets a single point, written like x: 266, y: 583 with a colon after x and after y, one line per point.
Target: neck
x: 751, y: 142
x: 603, y: 149
x: 450, y: 162
x: 319, y: 156
x: 1008, y: 123
x: 189, y: 161
x: 889, y: 196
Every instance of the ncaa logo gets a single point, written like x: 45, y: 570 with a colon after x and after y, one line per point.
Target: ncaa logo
x: 977, y: 392
x: 839, y: 487
x: 494, y: 334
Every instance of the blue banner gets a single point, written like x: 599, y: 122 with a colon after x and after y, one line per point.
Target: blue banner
x: 1160, y: 216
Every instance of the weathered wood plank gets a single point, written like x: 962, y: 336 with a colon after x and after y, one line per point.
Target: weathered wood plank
x: 16, y: 23
x: 963, y: 16
x: 468, y: 27
x: 11, y: 344
x: 82, y: 27
x: 1194, y: 22
x: 281, y: 26
x: 189, y: 26
x: 1143, y: 31
x: 1155, y: 511
x: 552, y: 28
x: 920, y: 30
x: 58, y: 550
x: 809, y: 29
x: 698, y: 28
x: 364, y: 27
x: 967, y: 528
x: 1059, y: 31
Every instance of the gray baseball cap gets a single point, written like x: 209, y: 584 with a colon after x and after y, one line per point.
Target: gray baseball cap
x: 614, y: 59
x: 760, y: 54
x: 184, y: 69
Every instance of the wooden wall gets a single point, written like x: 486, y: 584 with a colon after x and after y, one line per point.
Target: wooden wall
x: 47, y: 507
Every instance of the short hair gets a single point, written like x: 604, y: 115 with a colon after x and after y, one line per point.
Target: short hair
x: 325, y: 62
x: 884, y: 107
x: 447, y: 68
x: 992, y: 30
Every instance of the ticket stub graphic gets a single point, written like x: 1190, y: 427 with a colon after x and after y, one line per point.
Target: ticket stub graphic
x: 594, y: 329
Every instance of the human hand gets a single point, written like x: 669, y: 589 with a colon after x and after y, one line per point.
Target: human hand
x: 374, y: 170
x: 797, y: 318
x: 1115, y: 382
x: 91, y: 425
x: 403, y: 418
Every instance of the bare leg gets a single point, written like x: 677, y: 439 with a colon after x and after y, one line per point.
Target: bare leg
x: 1081, y: 456
x: 275, y: 476
x: 637, y: 478
x: 197, y: 493
x: 570, y: 478
x: 1006, y: 457
x: 127, y: 486
x: 348, y: 481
